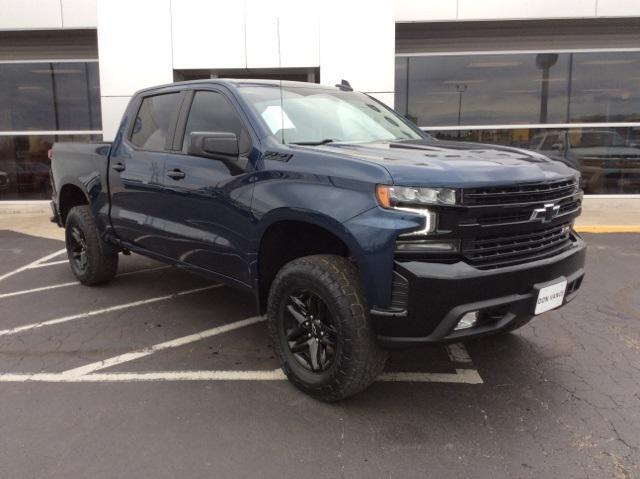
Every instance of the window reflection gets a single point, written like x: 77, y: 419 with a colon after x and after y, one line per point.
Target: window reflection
x: 24, y: 165
x: 49, y: 96
x: 523, y: 88
x: 608, y: 158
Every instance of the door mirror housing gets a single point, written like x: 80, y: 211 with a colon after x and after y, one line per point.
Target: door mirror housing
x: 214, y: 144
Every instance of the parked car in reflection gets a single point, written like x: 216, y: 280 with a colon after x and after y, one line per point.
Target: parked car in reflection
x: 4, y: 181
x: 608, y: 162
x: 32, y: 176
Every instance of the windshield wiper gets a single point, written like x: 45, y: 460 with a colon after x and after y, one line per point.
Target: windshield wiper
x: 313, y: 143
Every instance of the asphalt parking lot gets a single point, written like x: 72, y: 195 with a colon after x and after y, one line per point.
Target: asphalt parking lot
x: 164, y: 374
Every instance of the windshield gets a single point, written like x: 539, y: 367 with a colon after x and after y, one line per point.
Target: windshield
x: 316, y: 116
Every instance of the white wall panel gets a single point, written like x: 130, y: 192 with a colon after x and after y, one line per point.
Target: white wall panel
x: 618, y: 8
x: 208, y: 34
x: 425, y: 10
x: 30, y: 14
x: 79, y: 13
x: 358, y: 44
x: 112, y: 109
x: 299, y: 34
x: 134, y: 48
x: 524, y: 9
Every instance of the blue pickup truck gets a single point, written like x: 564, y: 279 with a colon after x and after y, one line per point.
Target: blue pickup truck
x: 354, y: 230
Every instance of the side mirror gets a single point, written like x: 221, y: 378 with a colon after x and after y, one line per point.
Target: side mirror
x: 214, y: 144
x: 557, y: 146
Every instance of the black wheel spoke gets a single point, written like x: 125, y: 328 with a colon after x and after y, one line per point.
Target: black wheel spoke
x: 295, y: 333
x: 309, y: 332
x: 299, y: 317
x: 313, y: 354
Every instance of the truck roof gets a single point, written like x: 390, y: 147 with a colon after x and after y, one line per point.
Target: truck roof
x: 236, y: 82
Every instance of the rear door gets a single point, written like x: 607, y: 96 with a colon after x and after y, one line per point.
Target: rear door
x: 136, y: 172
x: 207, y: 201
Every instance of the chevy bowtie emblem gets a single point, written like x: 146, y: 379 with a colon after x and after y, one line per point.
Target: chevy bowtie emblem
x: 546, y: 213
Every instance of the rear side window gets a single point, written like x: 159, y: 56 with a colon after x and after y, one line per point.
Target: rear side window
x: 152, y: 124
x: 211, y: 111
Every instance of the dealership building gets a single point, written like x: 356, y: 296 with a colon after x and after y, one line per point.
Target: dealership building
x: 559, y: 77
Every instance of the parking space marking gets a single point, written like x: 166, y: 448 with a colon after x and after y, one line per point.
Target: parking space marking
x: 465, y: 376
x: 174, y: 343
x: 64, y: 319
x: 461, y: 376
x: 74, y: 283
x: 33, y: 263
x: 35, y: 290
x: 458, y: 353
x: 50, y: 263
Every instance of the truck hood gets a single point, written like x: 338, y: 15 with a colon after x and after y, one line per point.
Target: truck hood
x: 455, y: 164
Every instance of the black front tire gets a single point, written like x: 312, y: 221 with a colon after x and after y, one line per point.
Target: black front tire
x: 357, y: 359
x: 90, y: 260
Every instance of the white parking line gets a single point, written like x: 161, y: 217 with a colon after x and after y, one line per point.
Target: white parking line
x: 174, y: 343
x: 64, y: 319
x: 32, y: 264
x: 51, y: 263
x: 458, y: 353
x: 35, y: 290
x: 466, y: 376
x: 462, y: 376
x: 74, y: 283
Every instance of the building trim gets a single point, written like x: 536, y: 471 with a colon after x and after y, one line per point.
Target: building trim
x: 78, y: 60
x: 517, y: 52
x: 515, y: 126
x: 50, y: 132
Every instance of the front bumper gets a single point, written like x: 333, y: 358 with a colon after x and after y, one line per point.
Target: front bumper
x: 440, y: 294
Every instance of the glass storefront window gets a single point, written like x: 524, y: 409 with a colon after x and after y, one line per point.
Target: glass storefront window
x: 24, y: 165
x: 523, y: 88
x: 572, y: 90
x: 607, y: 157
x: 49, y: 96
x: 43, y: 97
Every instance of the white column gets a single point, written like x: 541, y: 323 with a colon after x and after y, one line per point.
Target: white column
x: 134, y: 43
x: 357, y: 43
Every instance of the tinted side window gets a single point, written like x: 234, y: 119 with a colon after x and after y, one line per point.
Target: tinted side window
x: 211, y: 111
x: 550, y: 141
x: 152, y: 124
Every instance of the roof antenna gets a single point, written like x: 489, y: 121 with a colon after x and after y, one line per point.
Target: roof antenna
x: 344, y: 85
x: 280, y: 75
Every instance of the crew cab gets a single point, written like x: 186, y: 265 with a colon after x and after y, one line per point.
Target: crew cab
x: 354, y: 230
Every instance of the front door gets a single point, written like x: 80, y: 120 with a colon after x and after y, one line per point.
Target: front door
x: 208, y: 202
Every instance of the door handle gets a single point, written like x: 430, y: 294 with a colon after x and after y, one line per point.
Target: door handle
x: 176, y: 174
x: 119, y: 167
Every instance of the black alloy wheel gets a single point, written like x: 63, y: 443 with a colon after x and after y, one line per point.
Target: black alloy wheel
x: 310, y: 331
x: 77, y: 247
x: 92, y: 261
x: 320, y: 327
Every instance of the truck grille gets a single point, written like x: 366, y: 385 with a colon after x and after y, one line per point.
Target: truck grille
x: 527, y: 193
x: 504, y: 250
x: 568, y: 206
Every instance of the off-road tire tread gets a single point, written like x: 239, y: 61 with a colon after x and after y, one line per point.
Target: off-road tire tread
x: 366, y: 359
x: 102, y: 266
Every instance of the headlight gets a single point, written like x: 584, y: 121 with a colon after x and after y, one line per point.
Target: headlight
x: 393, y: 196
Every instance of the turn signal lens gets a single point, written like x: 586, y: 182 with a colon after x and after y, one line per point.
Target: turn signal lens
x: 384, y: 196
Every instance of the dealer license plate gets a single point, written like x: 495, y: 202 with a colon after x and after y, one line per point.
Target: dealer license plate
x: 550, y: 297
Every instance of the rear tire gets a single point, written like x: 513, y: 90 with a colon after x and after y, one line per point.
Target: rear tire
x: 89, y: 259
x: 320, y: 328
